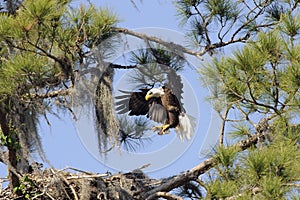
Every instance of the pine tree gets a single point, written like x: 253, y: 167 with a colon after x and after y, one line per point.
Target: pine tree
x: 258, y: 84
x: 42, y: 43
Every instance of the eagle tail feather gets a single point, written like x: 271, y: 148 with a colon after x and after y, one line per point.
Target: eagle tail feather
x: 186, y: 126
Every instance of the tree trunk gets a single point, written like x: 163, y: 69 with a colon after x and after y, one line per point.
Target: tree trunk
x: 12, y: 151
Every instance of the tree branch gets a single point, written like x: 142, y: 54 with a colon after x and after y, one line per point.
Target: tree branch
x: 224, y: 117
x: 205, y: 24
x: 116, y: 66
x: 252, y: 100
x: 170, y: 45
x: 51, y: 94
x: 293, y: 185
x: 250, y: 20
x: 194, y: 173
x: 223, y: 44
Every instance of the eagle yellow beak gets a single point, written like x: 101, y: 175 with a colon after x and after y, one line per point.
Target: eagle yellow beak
x: 147, y: 97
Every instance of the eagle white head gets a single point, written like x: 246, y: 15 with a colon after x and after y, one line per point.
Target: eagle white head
x: 154, y: 92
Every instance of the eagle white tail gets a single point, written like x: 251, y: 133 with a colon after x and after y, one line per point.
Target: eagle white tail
x: 186, y: 127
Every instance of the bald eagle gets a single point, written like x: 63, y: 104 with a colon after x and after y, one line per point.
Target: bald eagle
x: 160, y: 105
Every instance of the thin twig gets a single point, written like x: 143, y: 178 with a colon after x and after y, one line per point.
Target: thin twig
x: 67, y: 183
x: 71, y: 187
x: 41, y: 195
x: 202, y: 184
x: 205, y: 24
x: 249, y: 21
x: 292, y: 184
x: 246, y: 115
x: 222, y: 130
x: 87, y: 176
x: 72, y: 168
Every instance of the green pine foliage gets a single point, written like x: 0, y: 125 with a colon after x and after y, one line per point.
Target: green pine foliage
x: 43, y: 37
x: 259, y: 81
x: 258, y: 173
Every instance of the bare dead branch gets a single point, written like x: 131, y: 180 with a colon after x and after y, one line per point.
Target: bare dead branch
x: 86, y: 176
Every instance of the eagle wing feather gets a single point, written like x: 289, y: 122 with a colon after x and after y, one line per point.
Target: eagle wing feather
x: 157, y: 113
x: 136, y: 104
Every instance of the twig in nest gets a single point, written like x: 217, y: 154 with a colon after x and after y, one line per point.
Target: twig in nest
x: 75, y: 169
x: 66, y: 182
x: 71, y: 187
x: 87, y: 176
x: 40, y: 195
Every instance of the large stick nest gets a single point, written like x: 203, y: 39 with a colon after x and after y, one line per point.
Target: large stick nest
x: 66, y: 184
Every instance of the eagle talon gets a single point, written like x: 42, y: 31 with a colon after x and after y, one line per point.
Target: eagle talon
x: 161, y: 129
x: 155, y: 128
x: 161, y: 132
x: 165, y: 127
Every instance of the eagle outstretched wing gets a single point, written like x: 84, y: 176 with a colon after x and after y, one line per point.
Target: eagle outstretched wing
x: 160, y: 105
x: 136, y: 104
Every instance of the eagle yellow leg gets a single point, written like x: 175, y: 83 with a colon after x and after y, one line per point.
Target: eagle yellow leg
x: 165, y: 127
x: 162, y: 129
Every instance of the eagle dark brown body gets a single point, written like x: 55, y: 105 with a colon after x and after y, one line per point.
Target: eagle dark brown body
x: 172, y: 105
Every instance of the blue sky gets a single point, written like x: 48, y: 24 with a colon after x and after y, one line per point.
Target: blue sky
x: 65, y: 146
